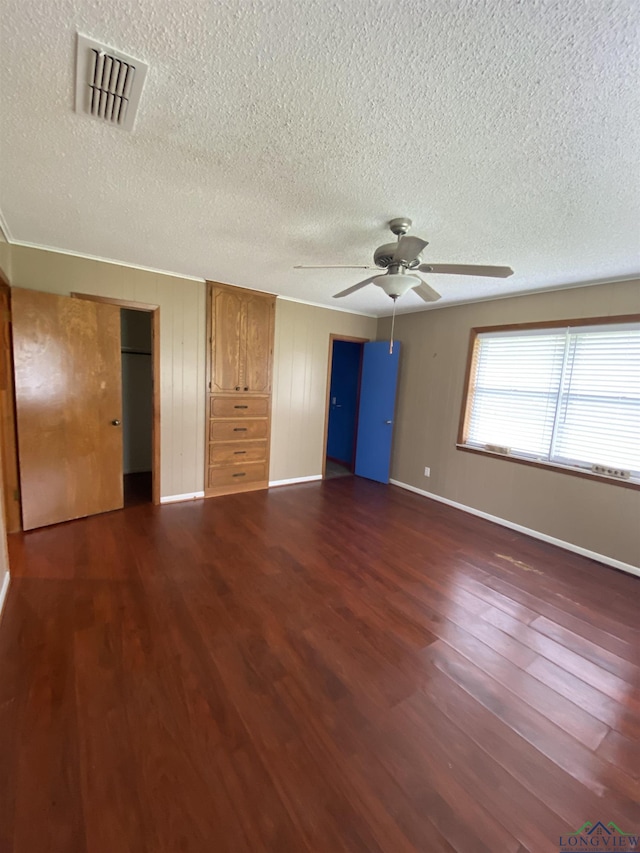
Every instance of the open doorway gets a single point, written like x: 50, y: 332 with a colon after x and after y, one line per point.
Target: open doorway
x: 361, y: 396
x: 152, y: 312
x: 136, y: 338
x: 345, y: 366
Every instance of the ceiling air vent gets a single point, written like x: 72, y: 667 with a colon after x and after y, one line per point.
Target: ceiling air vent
x: 108, y: 83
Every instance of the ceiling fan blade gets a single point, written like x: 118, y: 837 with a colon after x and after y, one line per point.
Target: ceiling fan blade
x: 427, y: 293
x: 335, y: 267
x: 355, y: 287
x: 408, y: 249
x: 467, y: 269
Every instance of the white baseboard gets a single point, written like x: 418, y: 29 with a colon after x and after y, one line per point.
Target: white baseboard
x: 193, y: 496
x: 3, y: 591
x: 188, y: 496
x: 536, y: 534
x: 294, y: 480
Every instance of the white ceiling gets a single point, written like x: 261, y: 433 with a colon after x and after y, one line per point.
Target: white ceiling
x: 276, y: 132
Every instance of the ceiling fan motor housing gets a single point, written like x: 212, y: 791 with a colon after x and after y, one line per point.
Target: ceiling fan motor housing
x: 383, y: 257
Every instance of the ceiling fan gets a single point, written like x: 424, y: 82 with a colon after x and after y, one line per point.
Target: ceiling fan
x: 402, y: 260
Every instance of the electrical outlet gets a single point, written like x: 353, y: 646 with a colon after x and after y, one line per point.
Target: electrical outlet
x: 427, y: 472
x: 611, y: 472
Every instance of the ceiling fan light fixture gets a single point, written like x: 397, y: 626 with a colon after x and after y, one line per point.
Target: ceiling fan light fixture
x: 398, y: 258
x: 396, y: 284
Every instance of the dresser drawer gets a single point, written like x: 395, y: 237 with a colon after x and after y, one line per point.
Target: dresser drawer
x: 239, y: 407
x: 237, y: 475
x: 237, y: 430
x: 233, y: 454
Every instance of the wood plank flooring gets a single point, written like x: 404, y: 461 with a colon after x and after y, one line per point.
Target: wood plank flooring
x: 336, y: 666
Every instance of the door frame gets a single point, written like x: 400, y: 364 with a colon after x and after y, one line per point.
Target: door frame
x: 333, y: 338
x: 154, y: 310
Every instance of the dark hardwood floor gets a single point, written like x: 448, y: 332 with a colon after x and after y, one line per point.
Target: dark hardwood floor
x: 336, y: 666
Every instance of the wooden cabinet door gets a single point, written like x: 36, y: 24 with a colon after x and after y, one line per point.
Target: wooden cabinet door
x: 258, y: 343
x: 227, y: 340
x: 68, y: 405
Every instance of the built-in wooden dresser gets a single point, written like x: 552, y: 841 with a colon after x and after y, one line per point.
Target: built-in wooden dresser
x: 240, y: 357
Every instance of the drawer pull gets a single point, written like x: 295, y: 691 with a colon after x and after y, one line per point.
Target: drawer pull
x: 241, y: 407
x: 239, y: 452
x: 239, y: 429
x: 240, y: 475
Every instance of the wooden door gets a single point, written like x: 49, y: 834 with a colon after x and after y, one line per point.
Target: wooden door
x: 227, y: 333
x: 68, y: 403
x: 8, y: 417
x: 258, y: 343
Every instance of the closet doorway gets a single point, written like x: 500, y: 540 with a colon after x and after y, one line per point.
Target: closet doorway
x: 136, y: 345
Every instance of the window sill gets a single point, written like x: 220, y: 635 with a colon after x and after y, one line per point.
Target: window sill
x: 553, y: 466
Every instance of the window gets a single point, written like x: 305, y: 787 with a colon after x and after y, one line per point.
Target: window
x: 562, y: 395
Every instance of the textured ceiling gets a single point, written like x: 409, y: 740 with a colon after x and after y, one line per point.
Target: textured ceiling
x: 290, y: 131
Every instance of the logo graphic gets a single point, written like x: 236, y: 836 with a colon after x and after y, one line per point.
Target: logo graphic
x: 597, y: 836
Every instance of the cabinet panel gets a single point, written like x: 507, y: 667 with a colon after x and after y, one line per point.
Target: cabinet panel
x: 239, y: 407
x: 238, y: 430
x: 227, y: 345
x: 237, y: 453
x: 237, y: 475
x: 259, y: 343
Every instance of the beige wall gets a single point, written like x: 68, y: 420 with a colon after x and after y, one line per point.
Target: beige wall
x: 598, y: 516
x: 182, y: 334
x: 300, y: 383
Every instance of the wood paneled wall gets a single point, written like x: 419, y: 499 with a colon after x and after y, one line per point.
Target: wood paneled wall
x: 300, y: 383
x: 182, y: 351
x: 600, y: 517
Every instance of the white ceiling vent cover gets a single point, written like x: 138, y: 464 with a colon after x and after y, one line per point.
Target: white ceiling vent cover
x: 108, y: 83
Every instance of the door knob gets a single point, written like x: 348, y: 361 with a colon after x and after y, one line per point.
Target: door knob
x: 388, y: 422
x: 115, y: 422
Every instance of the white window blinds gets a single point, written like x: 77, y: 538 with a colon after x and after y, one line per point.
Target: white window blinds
x: 567, y: 396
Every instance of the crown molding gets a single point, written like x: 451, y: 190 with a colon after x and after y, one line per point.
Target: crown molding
x: 25, y: 244
x: 534, y: 292
x: 552, y: 289
x: 328, y: 307
x: 85, y: 256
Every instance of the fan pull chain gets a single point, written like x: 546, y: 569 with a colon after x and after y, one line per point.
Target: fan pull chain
x: 393, y: 322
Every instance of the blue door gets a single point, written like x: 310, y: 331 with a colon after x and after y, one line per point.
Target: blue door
x: 377, y: 405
